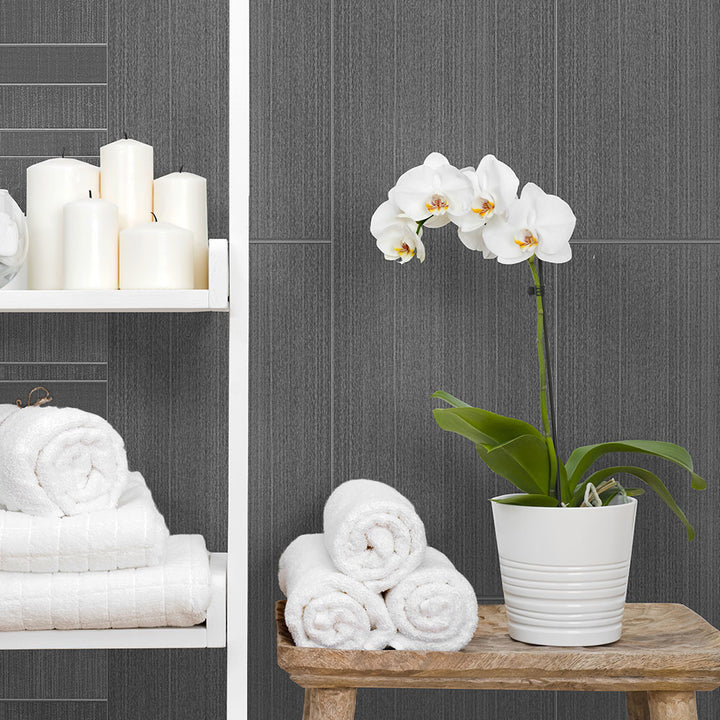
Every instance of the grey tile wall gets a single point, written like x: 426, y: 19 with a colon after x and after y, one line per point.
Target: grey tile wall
x: 75, y: 74
x: 613, y: 106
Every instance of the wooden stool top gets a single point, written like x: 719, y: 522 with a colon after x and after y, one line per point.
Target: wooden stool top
x: 663, y: 647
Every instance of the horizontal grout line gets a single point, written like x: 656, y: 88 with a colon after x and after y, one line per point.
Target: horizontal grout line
x: 101, y: 700
x: 52, y: 129
x: 647, y: 241
x: 19, y: 157
x: 45, y: 380
x: 260, y: 241
x: 53, y: 362
x: 103, y: 44
x: 58, y: 84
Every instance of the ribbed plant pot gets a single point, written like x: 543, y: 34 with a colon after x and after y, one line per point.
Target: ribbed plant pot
x: 565, y: 571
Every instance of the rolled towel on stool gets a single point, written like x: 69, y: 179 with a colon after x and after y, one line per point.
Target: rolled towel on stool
x: 373, y: 533
x: 433, y: 608
x: 60, y: 461
x: 326, y: 608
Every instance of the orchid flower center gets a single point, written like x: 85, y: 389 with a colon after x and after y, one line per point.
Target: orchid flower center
x: 405, y: 250
x: 485, y: 207
x: 438, y: 205
x: 525, y: 239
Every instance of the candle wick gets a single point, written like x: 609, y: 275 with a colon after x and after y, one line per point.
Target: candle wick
x: 125, y: 135
x: 181, y: 167
x: 154, y: 216
x: 63, y: 153
x: 90, y: 194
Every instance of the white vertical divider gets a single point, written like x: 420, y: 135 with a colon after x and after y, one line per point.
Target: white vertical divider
x: 239, y: 58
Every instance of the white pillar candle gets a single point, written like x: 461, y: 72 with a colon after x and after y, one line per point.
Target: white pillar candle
x: 90, y: 245
x: 181, y: 198
x: 126, y: 177
x: 156, y: 256
x: 52, y: 184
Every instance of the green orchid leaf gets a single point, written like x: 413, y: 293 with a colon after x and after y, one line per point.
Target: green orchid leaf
x: 528, y: 499
x: 583, y: 457
x: 449, y: 399
x: 565, y: 489
x: 523, y: 461
x: 483, y: 427
x: 649, y: 478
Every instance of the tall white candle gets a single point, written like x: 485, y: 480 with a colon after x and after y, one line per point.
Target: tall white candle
x: 156, y: 256
x: 126, y: 177
x: 90, y: 245
x: 181, y: 198
x: 52, y: 184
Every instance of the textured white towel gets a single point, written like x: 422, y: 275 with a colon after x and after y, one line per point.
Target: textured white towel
x: 60, y: 461
x: 433, y: 608
x: 373, y: 533
x: 6, y: 411
x: 326, y: 608
x: 176, y: 593
x: 132, y: 535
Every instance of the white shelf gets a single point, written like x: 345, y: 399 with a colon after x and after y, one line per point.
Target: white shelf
x: 215, y: 299
x: 211, y: 633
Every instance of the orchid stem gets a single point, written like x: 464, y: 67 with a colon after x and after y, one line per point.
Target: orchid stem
x: 547, y: 430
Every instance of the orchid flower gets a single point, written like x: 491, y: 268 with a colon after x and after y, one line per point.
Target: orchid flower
x: 434, y: 193
x: 396, y: 235
x: 494, y: 189
x: 537, y: 224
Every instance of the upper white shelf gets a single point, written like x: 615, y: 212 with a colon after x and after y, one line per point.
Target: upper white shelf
x: 213, y: 299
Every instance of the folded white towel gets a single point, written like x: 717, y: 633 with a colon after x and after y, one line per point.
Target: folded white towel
x: 60, y: 461
x: 176, y: 594
x: 373, y: 533
x: 132, y: 535
x: 433, y: 608
x: 326, y: 608
x: 6, y: 411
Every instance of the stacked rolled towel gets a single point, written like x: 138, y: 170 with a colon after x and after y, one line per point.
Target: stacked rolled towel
x: 59, y: 461
x: 433, y: 608
x: 373, y: 533
x: 326, y: 608
x: 82, y: 544
x: 374, y: 541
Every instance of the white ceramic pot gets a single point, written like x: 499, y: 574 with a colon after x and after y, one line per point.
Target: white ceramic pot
x: 565, y: 571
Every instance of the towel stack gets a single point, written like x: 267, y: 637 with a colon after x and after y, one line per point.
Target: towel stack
x: 369, y: 581
x: 82, y: 544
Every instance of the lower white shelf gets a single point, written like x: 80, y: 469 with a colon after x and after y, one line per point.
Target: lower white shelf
x: 212, y: 633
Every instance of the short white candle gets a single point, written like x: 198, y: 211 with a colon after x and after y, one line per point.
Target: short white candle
x: 156, y: 256
x: 90, y: 245
x: 52, y: 184
x: 126, y: 177
x: 181, y: 198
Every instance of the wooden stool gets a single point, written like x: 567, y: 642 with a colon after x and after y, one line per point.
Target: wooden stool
x: 666, y: 653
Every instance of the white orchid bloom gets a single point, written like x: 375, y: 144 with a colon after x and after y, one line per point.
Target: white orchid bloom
x: 435, y: 191
x: 396, y: 234
x: 537, y: 224
x: 495, y: 187
x: 473, y: 240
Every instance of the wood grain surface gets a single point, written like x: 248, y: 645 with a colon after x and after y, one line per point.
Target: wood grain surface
x: 664, y: 647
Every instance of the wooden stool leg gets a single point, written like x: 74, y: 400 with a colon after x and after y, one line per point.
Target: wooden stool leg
x: 330, y: 704
x: 672, y: 706
x: 637, y: 706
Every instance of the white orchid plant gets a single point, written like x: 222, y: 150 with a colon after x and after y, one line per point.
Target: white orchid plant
x: 533, y: 227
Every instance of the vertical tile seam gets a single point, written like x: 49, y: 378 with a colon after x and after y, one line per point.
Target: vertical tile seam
x: 107, y: 68
x: 331, y: 268
x: 170, y: 83
x: 395, y: 273
x: 555, y: 313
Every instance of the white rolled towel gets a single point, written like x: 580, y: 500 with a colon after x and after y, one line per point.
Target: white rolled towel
x: 326, y: 608
x: 60, y: 461
x: 433, y: 608
x: 373, y: 533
